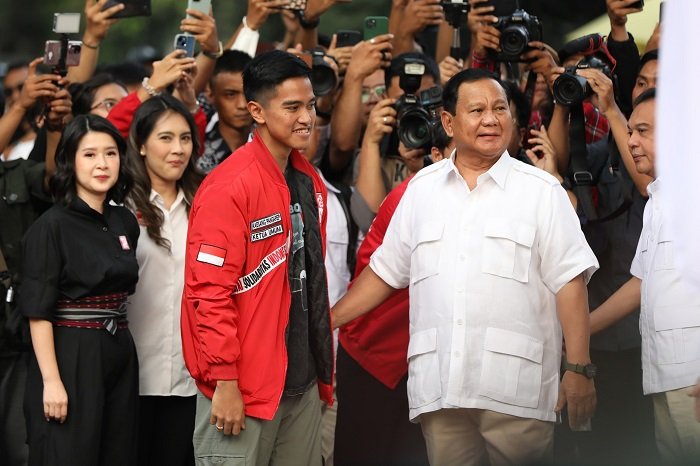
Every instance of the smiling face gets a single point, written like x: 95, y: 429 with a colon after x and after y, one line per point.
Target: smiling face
x: 168, y: 149
x: 641, y: 141
x: 96, y: 167
x: 286, y: 118
x: 483, y: 125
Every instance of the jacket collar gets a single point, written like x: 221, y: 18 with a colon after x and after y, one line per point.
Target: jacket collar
x: 264, y: 156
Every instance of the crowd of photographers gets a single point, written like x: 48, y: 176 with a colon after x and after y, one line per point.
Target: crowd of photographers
x: 378, y: 123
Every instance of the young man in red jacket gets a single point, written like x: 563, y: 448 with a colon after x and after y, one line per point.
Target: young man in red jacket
x: 255, y: 314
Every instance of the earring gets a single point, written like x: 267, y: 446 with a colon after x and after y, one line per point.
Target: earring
x: 143, y: 152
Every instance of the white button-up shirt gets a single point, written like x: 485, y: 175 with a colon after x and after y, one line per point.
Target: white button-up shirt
x: 483, y: 268
x: 670, y: 312
x: 154, y: 310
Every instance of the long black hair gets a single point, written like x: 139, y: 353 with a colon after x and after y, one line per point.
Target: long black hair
x: 63, y: 183
x: 145, y: 119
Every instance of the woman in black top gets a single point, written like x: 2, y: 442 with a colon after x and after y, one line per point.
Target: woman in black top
x: 78, y: 268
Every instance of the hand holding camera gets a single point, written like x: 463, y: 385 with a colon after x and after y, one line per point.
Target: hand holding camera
x: 98, y: 20
x: 369, y: 56
x: 380, y: 122
x: 572, y: 86
x: 479, y: 15
x: 37, y: 86
x: 59, y: 108
x: 602, y: 86
x: 541, y: 60
x: 203, y: 27
x: 487, y: 38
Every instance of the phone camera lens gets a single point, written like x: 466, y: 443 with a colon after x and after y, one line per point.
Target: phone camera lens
x: 371, y: 23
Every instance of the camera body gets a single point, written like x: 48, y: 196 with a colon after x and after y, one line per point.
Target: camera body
x: 323, y: 78
x: 517, y: 30
x: 418, y: 118
x: 570, y: 88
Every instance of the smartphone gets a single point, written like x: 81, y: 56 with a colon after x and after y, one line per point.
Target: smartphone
x: 639, y: 4
x: 347, y: 38
x: 131, y: 8
x: 661, y: 11
x: 376, y: 26
x: 200, y: 5
x: 295, y: 5
x: 501, y: 7
x: 52, y: 52
x: 185, y: 42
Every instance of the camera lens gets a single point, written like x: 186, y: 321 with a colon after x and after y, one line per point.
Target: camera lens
x: 323, y: 79
x: 570, y: 88
x: 514, y: 40
x: 371, y: 23
x: 414, y: 128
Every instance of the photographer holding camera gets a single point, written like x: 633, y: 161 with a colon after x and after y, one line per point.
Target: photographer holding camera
x: 383, y: 163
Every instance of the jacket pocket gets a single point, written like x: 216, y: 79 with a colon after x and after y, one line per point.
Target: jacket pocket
x: 677, y: 334
x: 425, y: 257
x: 507, y: 249
x: 511, y: 370
x: 424, y: 385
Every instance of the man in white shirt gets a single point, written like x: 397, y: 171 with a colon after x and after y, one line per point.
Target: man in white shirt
x: 495, y: 259
x: 670, y: 308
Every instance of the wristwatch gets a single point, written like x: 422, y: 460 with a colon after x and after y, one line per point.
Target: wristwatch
x: 215, y: 55
x: 587, y: 370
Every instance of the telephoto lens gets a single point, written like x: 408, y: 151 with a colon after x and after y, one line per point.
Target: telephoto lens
x: 323, y: 78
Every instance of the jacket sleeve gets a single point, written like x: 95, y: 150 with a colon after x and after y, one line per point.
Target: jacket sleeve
x: 122, y: 114
x: 215, y: 256
x: 200, y: 118
x: 627, y: 56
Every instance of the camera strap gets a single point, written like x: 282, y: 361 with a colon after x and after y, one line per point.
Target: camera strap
x: 530, y: 90
x: 581, y: 174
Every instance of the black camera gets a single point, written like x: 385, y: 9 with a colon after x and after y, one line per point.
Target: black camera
x: 323, y: 77
x: 570, y: 88
x: 419, y: 118
x: 517, y: 31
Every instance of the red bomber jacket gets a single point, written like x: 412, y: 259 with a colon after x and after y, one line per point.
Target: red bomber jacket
x: 235, y: 304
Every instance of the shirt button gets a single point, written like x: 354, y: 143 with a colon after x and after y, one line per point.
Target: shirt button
x: 458, y: 354
x: 460, y: 322
x: 462, y: 257
x: 104, y: 228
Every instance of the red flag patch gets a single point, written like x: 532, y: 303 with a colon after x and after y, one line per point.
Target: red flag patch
x: 211, y: 255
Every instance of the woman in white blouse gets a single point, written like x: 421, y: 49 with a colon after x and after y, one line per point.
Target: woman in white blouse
x: 162, y: 141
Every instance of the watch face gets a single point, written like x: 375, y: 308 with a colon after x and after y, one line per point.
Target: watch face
x: 590, y: 371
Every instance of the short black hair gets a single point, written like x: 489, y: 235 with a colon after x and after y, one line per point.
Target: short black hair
x: 649, y: 94
x: 232, y: 61
x: 647, y: 57
x: 270, y: 69
x: 63, y: 183
x: 398, y: 63
x: 522, y: 109
x: 84, y: 93
x: 451, y: 91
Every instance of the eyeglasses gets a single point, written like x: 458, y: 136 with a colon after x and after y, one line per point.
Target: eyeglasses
x: 8, y: 91
x: 107, y: 104
x: 369, y: 92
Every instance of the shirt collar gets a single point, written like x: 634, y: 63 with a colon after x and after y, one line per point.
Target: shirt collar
x: 156, y: 199
x: 653, y: 187
x: 498, y: 171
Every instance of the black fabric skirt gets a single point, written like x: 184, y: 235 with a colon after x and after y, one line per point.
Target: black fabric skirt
x: 100, y: 374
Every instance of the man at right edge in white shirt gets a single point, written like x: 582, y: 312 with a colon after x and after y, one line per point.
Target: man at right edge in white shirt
x: 496, y: 264
x: 670, y: 307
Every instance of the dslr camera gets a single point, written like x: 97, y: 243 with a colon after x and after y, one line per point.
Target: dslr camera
x: 418, y: 114
x: 323, y: 78
x: 517, y: 30
x: 570, y: 88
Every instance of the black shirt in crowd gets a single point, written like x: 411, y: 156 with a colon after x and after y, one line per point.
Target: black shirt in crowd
x: 75, y: 252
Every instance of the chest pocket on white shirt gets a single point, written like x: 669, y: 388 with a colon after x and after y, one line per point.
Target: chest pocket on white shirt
x: 423, y: 369
x: 425, y: 257
x: 507, y: 248
x: 677, y: 333
x: 511, y: 369
x: 663, y: 258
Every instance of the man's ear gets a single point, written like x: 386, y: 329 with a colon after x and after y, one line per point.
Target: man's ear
x: 257, y: 112
x: 447, y: 118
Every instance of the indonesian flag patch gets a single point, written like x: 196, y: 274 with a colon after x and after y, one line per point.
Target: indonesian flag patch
x: 211, y: 255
